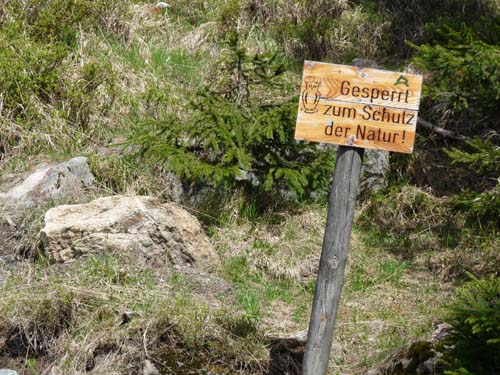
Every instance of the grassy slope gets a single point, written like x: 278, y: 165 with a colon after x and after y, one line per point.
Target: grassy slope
x: 70, y: 317
x: 387, y: 302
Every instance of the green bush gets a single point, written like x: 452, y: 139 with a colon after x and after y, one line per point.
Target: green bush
x: 483, y: 159
x: 475, y: 340
x: 482, y: 209
x: 238, y: 132
x: 482, y: 156
x: 60, y: 20
x: 416, y: 21
x: 43, y: 95
x: 28, y: 70
x: 464, y: 85
x: 48, y: 100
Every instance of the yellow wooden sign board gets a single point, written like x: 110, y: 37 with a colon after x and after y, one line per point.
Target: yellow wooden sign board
x: 367, y: 108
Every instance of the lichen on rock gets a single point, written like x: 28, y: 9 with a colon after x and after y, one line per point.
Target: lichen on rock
x: 137, y: 227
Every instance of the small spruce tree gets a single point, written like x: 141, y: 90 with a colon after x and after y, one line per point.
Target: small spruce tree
x: 238, y: 131
x: 474, y: 346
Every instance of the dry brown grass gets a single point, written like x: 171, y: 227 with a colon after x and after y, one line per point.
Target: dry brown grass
x: 80, y: 122
x: 386, y: 304
x: 418, y: 226
x: 287, y: 250
x: 409, y: 208
x: 464, y: 260
x: 69, y: 320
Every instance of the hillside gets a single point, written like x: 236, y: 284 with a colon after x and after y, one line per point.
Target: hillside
x: 158, y: 216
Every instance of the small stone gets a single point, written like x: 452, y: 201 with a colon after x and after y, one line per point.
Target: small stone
x: 149, y: 368
x: 442, y: 331
x: 8, y: 372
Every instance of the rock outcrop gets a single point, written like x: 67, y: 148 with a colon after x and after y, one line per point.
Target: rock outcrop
x: 374, y: 172
x: 137, y: 227
x: 47, y: 183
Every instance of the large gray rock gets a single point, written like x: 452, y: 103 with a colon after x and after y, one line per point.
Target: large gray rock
x: 48, y: 183
x: 374, y: 171
x: 137, y: 227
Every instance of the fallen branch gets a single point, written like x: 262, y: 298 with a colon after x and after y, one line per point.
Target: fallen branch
x: 441, y: 131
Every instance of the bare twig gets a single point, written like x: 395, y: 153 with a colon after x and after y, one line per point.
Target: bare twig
x: 441, y: 131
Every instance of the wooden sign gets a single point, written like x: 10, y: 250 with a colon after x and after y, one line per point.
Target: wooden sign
x: 366, y: 108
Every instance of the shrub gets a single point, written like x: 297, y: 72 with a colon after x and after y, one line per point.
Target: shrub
x: 475, y: 341
x: 482, y: 209
x: 27, y: 69
x: 482, y: 158
x: 46, y: 100
x: 238, y: 132
x: 42, y: 95
x: 464, y: 85
x: 60, y: 20
x: 417, y: 20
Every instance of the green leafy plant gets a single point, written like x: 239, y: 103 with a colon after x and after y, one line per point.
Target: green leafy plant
x: 48, y: 101
x: 28, y: 70
x: 484, y: 156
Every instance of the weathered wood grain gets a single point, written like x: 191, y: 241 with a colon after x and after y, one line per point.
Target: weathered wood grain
x: 342, y: 201
x: 356, y: 125
x: 331, y: 76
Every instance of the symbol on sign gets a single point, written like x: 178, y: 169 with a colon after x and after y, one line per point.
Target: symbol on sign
x: 402, y: 81
x: 311, y: 95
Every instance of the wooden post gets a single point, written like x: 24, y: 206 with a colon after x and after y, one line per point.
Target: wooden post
x: 338, y: 105
x: 341, y: 205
